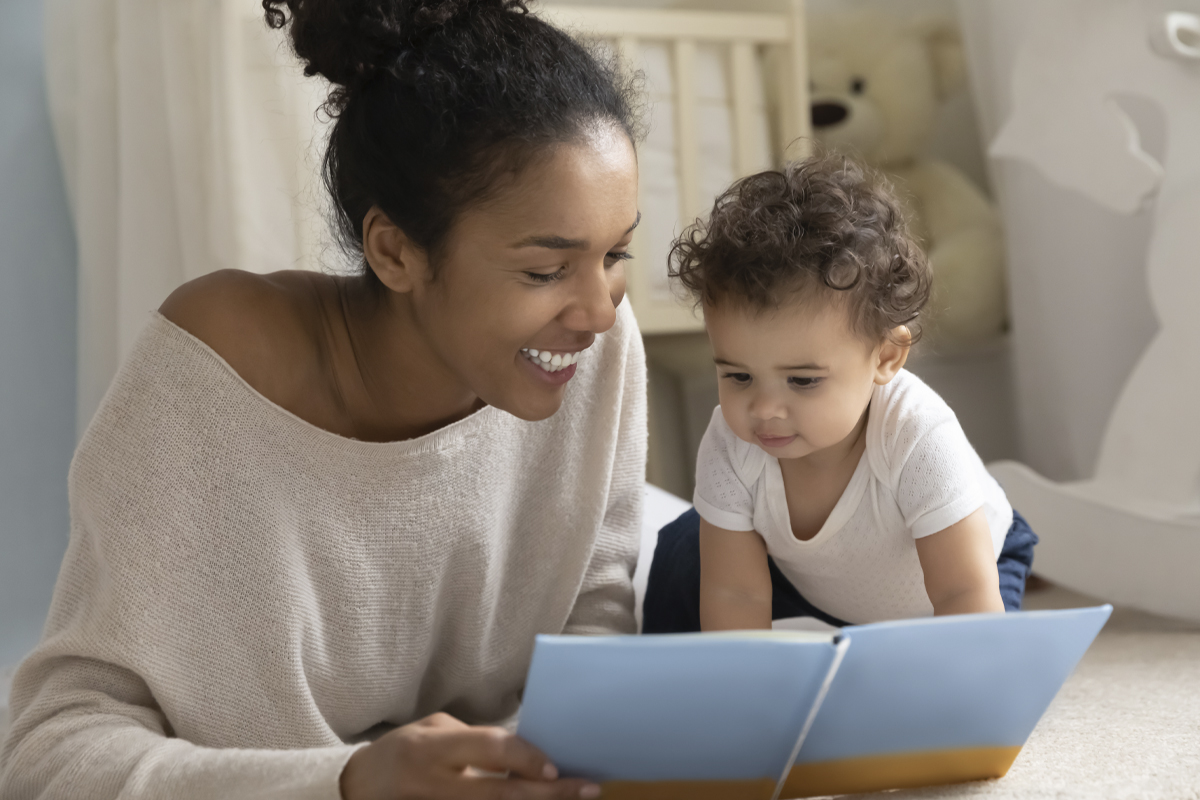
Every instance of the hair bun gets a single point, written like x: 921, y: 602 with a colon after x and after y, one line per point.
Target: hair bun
x: 349, y: 41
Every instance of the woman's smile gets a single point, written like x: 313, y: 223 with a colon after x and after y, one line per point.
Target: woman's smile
x: 549, y: 360
x: 549, y: 367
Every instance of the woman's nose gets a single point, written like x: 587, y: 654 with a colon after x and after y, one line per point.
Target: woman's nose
x: 598, y: 292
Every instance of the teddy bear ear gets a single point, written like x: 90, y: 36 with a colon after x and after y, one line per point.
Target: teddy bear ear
x: 943, y: 40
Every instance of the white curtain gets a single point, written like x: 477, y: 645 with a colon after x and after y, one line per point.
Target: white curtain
x: 189, y: 143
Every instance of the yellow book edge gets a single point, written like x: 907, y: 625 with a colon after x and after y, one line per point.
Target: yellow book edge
x: 845, y: 776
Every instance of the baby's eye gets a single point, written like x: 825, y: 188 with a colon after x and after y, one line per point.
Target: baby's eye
x: 804, y: 383
x: 740, y: 378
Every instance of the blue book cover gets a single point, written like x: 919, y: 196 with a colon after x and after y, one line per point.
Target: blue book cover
x: 789, y: 714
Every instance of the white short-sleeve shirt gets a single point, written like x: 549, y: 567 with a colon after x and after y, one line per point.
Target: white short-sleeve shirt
x: 918, y: 475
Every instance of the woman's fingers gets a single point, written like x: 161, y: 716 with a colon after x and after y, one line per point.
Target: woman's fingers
x: 436, y: 758
x: 440, y: 721
x: 497, y: 750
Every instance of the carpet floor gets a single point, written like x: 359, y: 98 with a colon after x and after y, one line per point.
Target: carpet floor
x: 1125, y: 726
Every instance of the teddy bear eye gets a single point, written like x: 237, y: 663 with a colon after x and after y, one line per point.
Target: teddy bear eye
x: 857, y: 85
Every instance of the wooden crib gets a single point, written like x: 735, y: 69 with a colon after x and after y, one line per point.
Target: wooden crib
x: 751, y: 64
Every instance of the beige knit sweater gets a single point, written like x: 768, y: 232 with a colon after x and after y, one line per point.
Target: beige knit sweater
x: 245, y: 594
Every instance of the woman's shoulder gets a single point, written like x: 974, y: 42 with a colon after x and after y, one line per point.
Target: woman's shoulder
x: 265, y: 327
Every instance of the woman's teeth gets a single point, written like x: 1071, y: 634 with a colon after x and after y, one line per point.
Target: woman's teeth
x: 551, y: 362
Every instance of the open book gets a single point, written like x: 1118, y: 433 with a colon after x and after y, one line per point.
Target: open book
x: 786, y: 714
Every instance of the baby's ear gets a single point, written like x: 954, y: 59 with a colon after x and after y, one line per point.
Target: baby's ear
x: 943, y: 41
x: 893, y: 353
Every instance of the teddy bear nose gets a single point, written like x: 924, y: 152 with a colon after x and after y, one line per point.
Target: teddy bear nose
x: 826, y: 114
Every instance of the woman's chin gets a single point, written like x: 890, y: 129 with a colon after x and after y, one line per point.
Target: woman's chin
x: 528, y: 401
x: 534, y: 409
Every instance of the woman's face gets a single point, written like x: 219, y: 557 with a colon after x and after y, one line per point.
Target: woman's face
x: 537, y: 269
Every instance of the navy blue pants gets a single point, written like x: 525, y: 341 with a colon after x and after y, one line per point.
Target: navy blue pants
x: 673, y: 593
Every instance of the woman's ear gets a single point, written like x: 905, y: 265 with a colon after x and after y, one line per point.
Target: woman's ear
x: 892, y: 354
x: 395, y: 259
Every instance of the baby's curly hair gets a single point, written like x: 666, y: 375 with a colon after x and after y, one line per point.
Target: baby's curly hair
x: 823, y: 223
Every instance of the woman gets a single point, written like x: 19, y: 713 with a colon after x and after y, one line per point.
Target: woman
x: 319, y: 520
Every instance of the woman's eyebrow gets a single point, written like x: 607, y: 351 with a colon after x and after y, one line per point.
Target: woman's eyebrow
x: 552, y: 242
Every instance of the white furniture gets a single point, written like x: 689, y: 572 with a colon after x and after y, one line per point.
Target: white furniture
x: 1082, y: 72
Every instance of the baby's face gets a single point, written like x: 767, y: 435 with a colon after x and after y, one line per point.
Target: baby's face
x: 793, y: 381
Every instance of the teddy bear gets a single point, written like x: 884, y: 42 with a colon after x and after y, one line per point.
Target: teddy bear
x: 876, y: 83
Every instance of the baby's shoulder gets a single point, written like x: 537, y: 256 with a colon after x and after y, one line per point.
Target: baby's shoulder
x: 903, y: 413
x: 721, y: 445
x: 907, y: 402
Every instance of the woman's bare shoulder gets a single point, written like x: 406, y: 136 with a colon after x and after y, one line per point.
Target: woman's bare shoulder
x: 263, y: 326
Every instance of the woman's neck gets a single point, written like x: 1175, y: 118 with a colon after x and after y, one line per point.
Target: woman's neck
x: 389, y: 381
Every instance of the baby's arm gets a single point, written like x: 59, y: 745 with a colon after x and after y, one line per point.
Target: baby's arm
x: 959, y: 566
x: 735, y: 581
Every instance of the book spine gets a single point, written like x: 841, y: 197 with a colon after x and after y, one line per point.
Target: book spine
x: 840, y: 645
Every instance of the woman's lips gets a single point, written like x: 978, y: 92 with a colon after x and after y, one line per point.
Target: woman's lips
x: 557, y: 377
x: 775, y: 441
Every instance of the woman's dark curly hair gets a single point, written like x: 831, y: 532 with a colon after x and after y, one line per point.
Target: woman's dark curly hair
x: 435, y: 101
x: 825, y: 223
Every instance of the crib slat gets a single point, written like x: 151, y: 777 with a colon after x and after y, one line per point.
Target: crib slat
x: 798, y: 127
x: 627, y: 48
x: 745, y: 90
x: 637, y: 281
x: 685, y: 130
x: 651, y: 23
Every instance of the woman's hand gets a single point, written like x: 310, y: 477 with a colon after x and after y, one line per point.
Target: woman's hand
x: 439, y: 756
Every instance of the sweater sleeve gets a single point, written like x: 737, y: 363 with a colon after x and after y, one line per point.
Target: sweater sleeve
x: 86, y: 727
x: 605, y: 601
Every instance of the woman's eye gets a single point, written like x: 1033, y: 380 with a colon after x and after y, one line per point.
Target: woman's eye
x: 612, y: 258
x: 804, y: 383
x: 737, y: 377
x: 546, y: 277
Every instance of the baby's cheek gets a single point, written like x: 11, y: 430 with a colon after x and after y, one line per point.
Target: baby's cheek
x: 736, y: 419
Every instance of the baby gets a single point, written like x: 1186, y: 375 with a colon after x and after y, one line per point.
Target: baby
x: 831, y: 482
